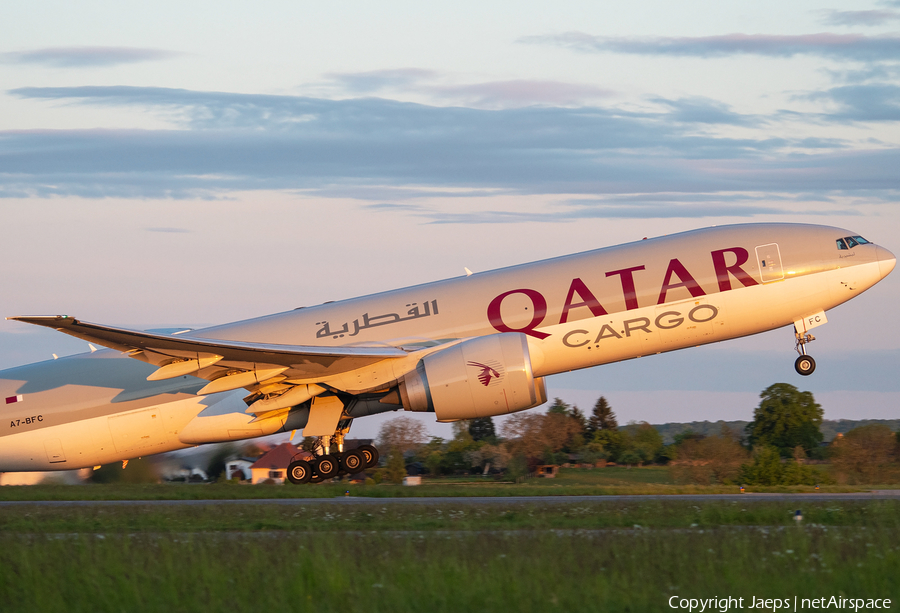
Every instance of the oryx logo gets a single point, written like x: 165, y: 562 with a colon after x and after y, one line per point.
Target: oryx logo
x: 487, y: 373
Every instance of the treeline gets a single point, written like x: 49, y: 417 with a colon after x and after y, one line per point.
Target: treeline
x: 781, y: 445
x: 830, y: 428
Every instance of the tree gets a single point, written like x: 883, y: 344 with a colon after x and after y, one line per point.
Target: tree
x: 396, y: 466
x: 614, y: 442
x: 216, y: 466
x: 646, y: 441
x: 482, y: 429
x: 704, y: 459
x: 602, y: 418
x: 785, y: 418
x: 558, y: 407
x: 579, y: 418
x: 766, y: 468
x: 866, y: 455
x: 536, y: 436
x: 403, y: 433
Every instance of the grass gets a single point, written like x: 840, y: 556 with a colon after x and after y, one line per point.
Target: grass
x: 365, y: 555
x: 338, y: 516
x: 634, y: 570
x: 569, y: 482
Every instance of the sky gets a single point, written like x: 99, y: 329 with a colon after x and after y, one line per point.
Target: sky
x: 188, y: 164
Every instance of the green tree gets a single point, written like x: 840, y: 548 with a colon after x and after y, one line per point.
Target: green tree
x: 766, y: 468
x: 646, y: 441
x: 785, y: 418
x: 558, y: 407
x: 602, y: 418
x: 579, y: 418
x: 396, y: 466
x: 482, y: 429
x: 614, y: 443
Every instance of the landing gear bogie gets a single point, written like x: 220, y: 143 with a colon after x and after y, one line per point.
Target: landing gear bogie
x: 299, y: 471
x: 326, y: 466
x: 371, y: 455
x: 353, y: 462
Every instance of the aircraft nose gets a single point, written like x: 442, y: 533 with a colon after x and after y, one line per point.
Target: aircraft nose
x: 886, y: 261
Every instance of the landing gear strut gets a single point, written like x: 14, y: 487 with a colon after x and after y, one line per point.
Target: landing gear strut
x: 804, y: 364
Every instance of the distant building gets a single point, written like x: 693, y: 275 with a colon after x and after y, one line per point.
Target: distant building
x: 546, y: 470
x: 274, y: 463
x: 240, y: 468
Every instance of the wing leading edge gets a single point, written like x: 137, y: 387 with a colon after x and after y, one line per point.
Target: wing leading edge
x: 215, y: 359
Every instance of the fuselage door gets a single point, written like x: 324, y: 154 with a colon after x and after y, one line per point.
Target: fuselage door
x: 769, y: 259
x: 55, y: 454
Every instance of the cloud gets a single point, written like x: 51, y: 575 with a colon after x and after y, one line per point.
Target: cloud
x: 871, y: 102
x: 704, y: 110
x: 520, y: 92
x: 402, y: 151
x: 377, y: 80
x: 514, y: 92
x: 839, y: 46
x: 871, y: 72
x: 874, y: 17
x: 87, y: 57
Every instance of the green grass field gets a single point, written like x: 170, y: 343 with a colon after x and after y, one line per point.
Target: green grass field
x: 559, y: 554
x: 569, y: 482
x: 455, y: 556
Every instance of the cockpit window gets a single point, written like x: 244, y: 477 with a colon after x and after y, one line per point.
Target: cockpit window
x: 841, y: 244
x: 851, y: 242
x: 860, y: 240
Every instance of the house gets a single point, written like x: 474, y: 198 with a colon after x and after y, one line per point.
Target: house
x: 274, y: 463
x: 240, y: 468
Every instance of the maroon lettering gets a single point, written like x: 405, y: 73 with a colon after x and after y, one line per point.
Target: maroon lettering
x: 568, y: 336
x: 627, y: 277
x: 606, y: 332
x: 671, y: 323
x: 539, y: 303
x: 722, y: 269
x: 644, y: 325
x: 588, y: 300
x: 686, y: 281
x: 713, y: 312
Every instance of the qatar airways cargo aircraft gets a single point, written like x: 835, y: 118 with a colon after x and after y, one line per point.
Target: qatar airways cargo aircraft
x: 473, y: 346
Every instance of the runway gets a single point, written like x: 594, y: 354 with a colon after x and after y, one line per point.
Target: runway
x: 473, y: 500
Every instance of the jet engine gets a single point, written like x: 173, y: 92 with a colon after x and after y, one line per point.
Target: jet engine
x: 480, y: 377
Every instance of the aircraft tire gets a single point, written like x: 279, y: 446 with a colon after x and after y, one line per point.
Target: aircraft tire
x: 805, y: 365
x: 326, y: 466
x: 370, y: 453
x: 353, y: 462
x: 299, y: 472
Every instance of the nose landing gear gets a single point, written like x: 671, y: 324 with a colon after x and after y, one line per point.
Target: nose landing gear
x: 804, y: 364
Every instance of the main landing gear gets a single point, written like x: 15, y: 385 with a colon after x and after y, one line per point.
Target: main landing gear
x: 327, y: 465
x: 804, y: 364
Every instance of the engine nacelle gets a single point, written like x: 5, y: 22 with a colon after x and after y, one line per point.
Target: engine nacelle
x: 481, y: 377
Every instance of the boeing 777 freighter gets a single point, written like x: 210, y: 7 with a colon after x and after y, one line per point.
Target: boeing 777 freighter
x: 473, y: 346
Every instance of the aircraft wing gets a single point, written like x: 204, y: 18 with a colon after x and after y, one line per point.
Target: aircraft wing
x: 211, y: 359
